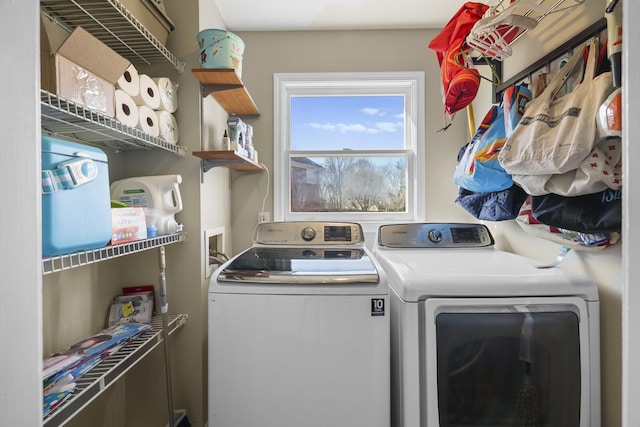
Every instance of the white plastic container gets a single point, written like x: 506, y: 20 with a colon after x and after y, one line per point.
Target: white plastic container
x: 160, y: 193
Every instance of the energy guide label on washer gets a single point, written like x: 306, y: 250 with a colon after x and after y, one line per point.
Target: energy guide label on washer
x: 377, y: 306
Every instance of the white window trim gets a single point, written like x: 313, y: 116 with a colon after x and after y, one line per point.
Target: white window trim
x: 411, y: 84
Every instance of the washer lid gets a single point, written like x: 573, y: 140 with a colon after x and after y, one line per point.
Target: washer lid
x: 300, y: 265
x: 417, y: 274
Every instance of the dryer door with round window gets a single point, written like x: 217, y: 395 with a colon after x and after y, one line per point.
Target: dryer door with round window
x: 508, y: 362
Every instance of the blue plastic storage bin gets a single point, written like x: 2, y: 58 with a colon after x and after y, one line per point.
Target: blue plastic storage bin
x: 76, y: 205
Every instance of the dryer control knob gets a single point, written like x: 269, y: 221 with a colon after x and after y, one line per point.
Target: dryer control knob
x: 435, y: 236
x: 308, y: 234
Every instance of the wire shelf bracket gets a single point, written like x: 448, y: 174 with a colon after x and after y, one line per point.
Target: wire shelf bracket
x: 78, y: 259
x: 94, y: 382
x: 114, y: 25
x: 64, y: 118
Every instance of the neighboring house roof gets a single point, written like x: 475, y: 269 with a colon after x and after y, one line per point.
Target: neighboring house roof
x: 305, y: 162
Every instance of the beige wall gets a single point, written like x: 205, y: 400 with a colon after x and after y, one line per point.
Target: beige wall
x: 344, y: 51
x: 406, y: 50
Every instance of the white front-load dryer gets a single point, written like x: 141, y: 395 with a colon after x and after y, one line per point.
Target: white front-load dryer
x: 481, y: 337
x: 299, y: 331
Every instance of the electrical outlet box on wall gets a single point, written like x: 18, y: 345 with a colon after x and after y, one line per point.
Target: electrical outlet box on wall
x: 263, y: 217
x: 214, y: 250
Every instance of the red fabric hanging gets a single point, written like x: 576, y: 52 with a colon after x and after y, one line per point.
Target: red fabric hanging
x: 460, y: 84
x: 458, y: 27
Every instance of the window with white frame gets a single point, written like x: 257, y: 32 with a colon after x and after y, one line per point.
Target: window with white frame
x: 349, y: 147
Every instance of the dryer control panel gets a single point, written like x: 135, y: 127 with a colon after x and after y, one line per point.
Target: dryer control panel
x: 309, y: 233
x: 434, y: 235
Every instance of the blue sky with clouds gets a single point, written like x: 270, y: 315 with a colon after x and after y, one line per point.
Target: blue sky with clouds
x: 347, y: 122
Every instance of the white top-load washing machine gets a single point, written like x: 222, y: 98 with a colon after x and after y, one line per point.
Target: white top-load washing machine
x: 299, y: 331
x: 481, y: 337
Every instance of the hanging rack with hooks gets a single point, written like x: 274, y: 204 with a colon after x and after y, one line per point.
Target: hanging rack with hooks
x: 502, y: 25
x: 543, y: 64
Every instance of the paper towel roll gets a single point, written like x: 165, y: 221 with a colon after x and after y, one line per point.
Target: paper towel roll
x: 148, y: 121
x: 149, y: 93
x: 168, y: 126
x: 168, y: 94
x: 129, y: 81
x: 126, y: 109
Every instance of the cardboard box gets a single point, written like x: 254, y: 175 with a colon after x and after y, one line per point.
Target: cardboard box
x: 146, y: 290
x: 127, y: 225
x: 83, y: 70
x: 131, y: 309
x: 152, y: 15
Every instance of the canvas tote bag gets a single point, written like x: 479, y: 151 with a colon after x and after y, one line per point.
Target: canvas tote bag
x: 601, y: 170
x: 592, y: 213
x: 557, y: 134
x: 568, y: 238
x: 478, y: 167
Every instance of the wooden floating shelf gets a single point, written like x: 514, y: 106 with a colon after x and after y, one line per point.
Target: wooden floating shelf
x: 227, y: 89
x: 228, y: 159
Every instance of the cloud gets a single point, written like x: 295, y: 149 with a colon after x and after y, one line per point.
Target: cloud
x: 378, y: 127
x: 372, y: 111
x: 387, y: 126
x: 327, y: 126
x: 344, y: 128
x: 340, y: 127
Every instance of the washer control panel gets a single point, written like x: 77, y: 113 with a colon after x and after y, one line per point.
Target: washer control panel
x: 309, y: 233
x: 434, y: 235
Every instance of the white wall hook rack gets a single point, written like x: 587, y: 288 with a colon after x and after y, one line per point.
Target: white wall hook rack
x: 500, y: 27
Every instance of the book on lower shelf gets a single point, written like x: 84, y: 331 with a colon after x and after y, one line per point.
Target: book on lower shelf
x: 62, y: 369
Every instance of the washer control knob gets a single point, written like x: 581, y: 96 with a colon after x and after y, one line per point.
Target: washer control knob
x: 435, y: 236
x: 308, y: 234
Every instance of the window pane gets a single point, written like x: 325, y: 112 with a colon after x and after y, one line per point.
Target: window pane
x: 347, y: 122
x: 348, y: 184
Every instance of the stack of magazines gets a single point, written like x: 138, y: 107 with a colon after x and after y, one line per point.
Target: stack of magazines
x: 61, y: 370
